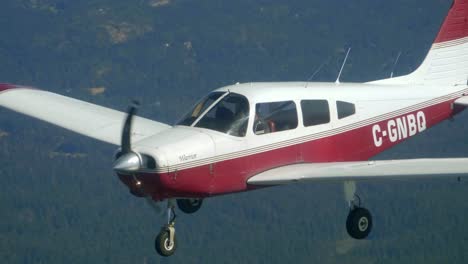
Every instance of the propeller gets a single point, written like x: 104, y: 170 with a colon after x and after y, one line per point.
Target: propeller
x: 128, y: 161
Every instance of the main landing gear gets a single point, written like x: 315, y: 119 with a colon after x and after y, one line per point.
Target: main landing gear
x: 359, y: 221
x: 165, y: 242
x: 189, y: 206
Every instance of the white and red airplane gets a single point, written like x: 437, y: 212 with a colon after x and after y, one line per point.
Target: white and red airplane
x: 247, y: 136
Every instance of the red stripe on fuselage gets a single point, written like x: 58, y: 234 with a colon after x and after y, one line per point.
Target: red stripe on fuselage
x: 231, y: 175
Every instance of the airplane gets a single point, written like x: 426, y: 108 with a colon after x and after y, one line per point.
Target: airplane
x: 248, y: 136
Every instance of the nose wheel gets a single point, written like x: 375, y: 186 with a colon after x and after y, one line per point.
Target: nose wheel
x: 165, y: 242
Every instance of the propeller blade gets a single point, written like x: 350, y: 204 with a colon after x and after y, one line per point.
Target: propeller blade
x: 127, y: 129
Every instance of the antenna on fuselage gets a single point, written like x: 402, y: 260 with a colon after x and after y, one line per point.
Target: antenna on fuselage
x: 342, y: 66
x: 394, y: 64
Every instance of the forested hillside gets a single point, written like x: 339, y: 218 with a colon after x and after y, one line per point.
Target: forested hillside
x: 60, y: 201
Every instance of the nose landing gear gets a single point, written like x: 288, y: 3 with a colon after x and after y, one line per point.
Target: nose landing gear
x: 166, y: 243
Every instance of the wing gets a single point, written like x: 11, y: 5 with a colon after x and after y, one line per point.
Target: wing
x: 462, y: 101
x: 91, y: 120
x: 360, y: 170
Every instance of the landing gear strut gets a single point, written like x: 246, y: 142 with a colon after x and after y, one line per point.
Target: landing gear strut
x: 165, y: 243
x: 359, y: 221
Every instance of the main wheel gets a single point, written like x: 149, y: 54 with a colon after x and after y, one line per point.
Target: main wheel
x: 163, y: 245
x: 189, y: 206
x: 359, y: 223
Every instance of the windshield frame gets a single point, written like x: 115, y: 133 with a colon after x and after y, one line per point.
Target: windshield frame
x: 208, y: 109
x: 192, y: 109
x: 237, y: 122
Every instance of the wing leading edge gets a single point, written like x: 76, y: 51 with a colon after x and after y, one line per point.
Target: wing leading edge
x: 362, y: 170
x: 88, y: 119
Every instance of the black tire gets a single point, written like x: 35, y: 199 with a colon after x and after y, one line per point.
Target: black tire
x: 359, y: 223
x: 189, y: 206
x: 163, y: 246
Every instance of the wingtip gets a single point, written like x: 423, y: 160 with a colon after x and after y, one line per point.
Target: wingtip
x: 10, y: 86
x: 7, y: 86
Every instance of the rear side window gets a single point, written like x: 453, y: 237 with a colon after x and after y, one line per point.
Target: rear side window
x: 315, y: 112
x: 345, y: 109
x: 275, y: 117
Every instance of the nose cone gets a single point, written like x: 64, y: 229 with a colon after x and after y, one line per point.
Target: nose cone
x: 129, y: 162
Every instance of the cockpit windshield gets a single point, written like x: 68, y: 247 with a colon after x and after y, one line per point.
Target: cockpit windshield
x: 230, y: 115
x: 199, y: 109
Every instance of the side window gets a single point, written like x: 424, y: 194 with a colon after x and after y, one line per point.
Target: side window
x: 275, y: 117
x: 315, y: 112
x: 345, y: 109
